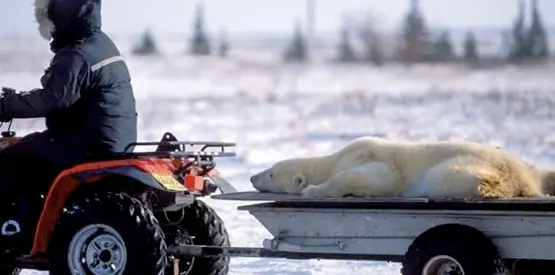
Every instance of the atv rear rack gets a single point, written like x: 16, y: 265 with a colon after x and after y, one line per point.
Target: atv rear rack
x: 180, y: 146
x: 201, y: 154
x: 170, y: 147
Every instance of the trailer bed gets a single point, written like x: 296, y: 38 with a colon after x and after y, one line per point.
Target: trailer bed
x: 290, y: 200
x: 384, y: 228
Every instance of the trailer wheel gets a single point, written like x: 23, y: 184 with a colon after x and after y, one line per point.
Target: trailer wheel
x: 107, y: 234
x: 197, y: 224
x: 452, y: 250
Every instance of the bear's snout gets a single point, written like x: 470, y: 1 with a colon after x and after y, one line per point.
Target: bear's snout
x: 256, y: 181
x: 256, y: 177
x: 261, y: 181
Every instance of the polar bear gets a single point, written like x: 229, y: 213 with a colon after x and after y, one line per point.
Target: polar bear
x: 371, y: 166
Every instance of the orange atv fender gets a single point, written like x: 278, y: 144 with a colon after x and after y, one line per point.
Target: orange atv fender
x: 159, y: 171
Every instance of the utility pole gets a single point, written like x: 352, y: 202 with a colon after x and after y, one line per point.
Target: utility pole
x: 310, y: 23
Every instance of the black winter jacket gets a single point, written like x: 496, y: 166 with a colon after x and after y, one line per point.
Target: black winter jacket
x: 86, y: 95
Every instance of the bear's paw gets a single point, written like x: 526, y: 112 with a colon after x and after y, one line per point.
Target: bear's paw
x: 314, y: 191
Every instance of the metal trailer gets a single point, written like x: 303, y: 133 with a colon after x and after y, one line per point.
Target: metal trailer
x: 509, y: 236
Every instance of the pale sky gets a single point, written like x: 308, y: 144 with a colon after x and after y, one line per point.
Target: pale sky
x: 240, y: 16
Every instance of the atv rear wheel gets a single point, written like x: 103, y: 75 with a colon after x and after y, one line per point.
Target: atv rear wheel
x: 107, y: 234
x: 196, y: 224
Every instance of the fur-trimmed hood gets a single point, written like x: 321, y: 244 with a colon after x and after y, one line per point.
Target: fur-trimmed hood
x: 67, y: 20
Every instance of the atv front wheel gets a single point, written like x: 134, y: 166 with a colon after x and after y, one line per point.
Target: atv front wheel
x: 107, y: 234
x: 196, y: 224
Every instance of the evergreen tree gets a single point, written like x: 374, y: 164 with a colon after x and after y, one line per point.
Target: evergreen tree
x: 414, y: 44
x: 346, y: 52
x: 537, y: 36
x: 375, y: 52
x: 147, y: 46
x: 470, y: 48
x: 199, y: 43
x: 506, y: 44
x: 519, y: 50
x: 297, y: 50
x: 443, y: 49
x: 372, y: 43
x: 224, y: 44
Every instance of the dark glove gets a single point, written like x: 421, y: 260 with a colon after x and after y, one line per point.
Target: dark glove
x: 6, y: 92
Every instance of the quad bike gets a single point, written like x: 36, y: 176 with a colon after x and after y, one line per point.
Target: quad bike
x: 119, y: 214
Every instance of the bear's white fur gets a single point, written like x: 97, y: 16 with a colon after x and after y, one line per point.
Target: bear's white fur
x: 46, y: 26
x: 372, y: 166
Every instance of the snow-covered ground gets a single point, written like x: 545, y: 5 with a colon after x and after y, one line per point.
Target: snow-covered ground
x: 273, y: 112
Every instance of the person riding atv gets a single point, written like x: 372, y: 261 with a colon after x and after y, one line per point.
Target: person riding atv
x: 86, y: 98
x: 80, y: 199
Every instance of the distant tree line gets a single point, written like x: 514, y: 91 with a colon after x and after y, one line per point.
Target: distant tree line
x: 414, y: 43
x: 199, y: 43
x: 528, y: 44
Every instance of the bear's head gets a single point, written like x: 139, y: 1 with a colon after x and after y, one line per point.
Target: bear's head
x: 287, y: 176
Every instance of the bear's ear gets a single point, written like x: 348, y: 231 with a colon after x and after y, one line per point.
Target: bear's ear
x: 366, y: 156
x: 300, y: 181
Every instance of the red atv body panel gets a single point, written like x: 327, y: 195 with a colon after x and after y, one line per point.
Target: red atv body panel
x: 149, y: 171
